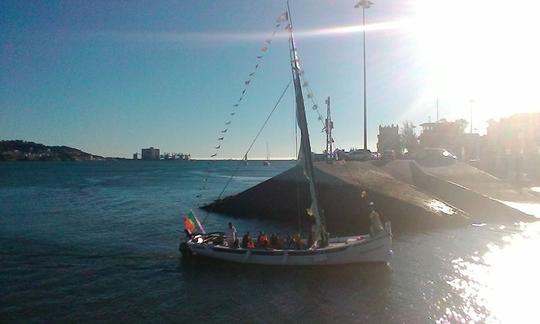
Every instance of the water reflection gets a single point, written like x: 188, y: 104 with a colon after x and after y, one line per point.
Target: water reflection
x: 502, y: 284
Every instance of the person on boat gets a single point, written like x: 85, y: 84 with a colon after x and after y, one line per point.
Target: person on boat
x: 245, y: 239
x: 276, y: 242
x: 364, y: 204
x: 262, y: 240
x: 297, y: 241
x: 247, y: 242
x: 230, y: 234
x: 250, y: 244
x: 290, y: 242
x: 375, y: 219
x: 273, y: 241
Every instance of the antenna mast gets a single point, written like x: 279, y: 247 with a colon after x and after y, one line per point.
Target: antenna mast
x: 329, y: 125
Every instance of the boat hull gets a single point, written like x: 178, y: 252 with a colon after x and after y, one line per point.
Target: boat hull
x: 341, y: 251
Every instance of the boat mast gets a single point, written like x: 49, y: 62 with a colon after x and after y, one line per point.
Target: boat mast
x: 305, y: 146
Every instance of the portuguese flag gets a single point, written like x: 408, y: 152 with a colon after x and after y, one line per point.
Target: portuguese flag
x: 192, y: 223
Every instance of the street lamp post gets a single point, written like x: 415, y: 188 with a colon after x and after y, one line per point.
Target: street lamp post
x: 365, y: 4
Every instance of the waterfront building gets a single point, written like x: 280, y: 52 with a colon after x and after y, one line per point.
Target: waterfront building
x: 388, y: 139
x: 451, y: 136
x: 512, y: 146
x: 150, y: 154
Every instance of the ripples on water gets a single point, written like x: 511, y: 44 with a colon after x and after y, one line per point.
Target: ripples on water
x: 97, y: 241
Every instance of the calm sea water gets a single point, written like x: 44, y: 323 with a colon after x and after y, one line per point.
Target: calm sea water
x: 98, y: 241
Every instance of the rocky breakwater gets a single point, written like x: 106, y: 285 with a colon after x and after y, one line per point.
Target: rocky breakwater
x: 285, y: 198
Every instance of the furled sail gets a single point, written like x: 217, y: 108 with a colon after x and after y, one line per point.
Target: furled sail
x: 305, y: 157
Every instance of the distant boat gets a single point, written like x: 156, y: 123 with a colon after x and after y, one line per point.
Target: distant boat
x: 267, y: 161
x: 373, y: 247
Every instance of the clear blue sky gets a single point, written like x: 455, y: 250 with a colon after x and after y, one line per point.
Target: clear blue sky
x: 111, y: 77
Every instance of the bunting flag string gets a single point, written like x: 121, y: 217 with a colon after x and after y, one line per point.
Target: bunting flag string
x: 281, y: 19
x: 309, y: 93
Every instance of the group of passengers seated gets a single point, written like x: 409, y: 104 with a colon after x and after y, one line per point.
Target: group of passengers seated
x: 275, y: 241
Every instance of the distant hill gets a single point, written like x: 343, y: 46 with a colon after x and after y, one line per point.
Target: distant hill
x: 18, y: 150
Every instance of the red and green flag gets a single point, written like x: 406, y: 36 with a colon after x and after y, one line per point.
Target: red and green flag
x: 192, y: 223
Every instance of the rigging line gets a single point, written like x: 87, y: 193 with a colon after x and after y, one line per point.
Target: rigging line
x: 240, y: 162
x: 260, y: 60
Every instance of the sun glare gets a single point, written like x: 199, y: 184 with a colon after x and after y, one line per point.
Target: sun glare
x: 485, y: 51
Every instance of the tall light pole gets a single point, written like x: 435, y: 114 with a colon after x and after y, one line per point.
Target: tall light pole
x: 365, y: 4
x: 471, y: 102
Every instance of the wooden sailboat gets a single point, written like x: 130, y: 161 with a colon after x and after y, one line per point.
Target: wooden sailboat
x: 373, y: 247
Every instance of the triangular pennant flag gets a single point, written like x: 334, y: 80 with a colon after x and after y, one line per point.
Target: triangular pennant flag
x: 220, y: 139
x: 256, y: 66
x: 283, y: 17
x: 225, y: 130
x: 236, y: 105
x: 218, y: 147
x: 247, y: 82
x: 228, y: 123
x: 252, y: 73
x: 243, y: 91
x: 232, y: 114
x: 264, y: 49
x: 213, y: 155
x: 277, y: 25
x: 259, y: 57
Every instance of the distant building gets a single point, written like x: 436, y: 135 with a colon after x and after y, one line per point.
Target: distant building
x: 512, y: 146
x: 517, y: 134
x: 451, y: 136
x: 388, y: 139
x: 150, y: 154
x: 135, y: 156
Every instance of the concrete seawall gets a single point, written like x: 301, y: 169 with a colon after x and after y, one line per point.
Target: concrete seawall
x: 285, y: 197
x: 483, y: 208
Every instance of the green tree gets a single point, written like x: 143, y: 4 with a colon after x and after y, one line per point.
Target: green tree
x: 462, y: 125
x: 409, y: 140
